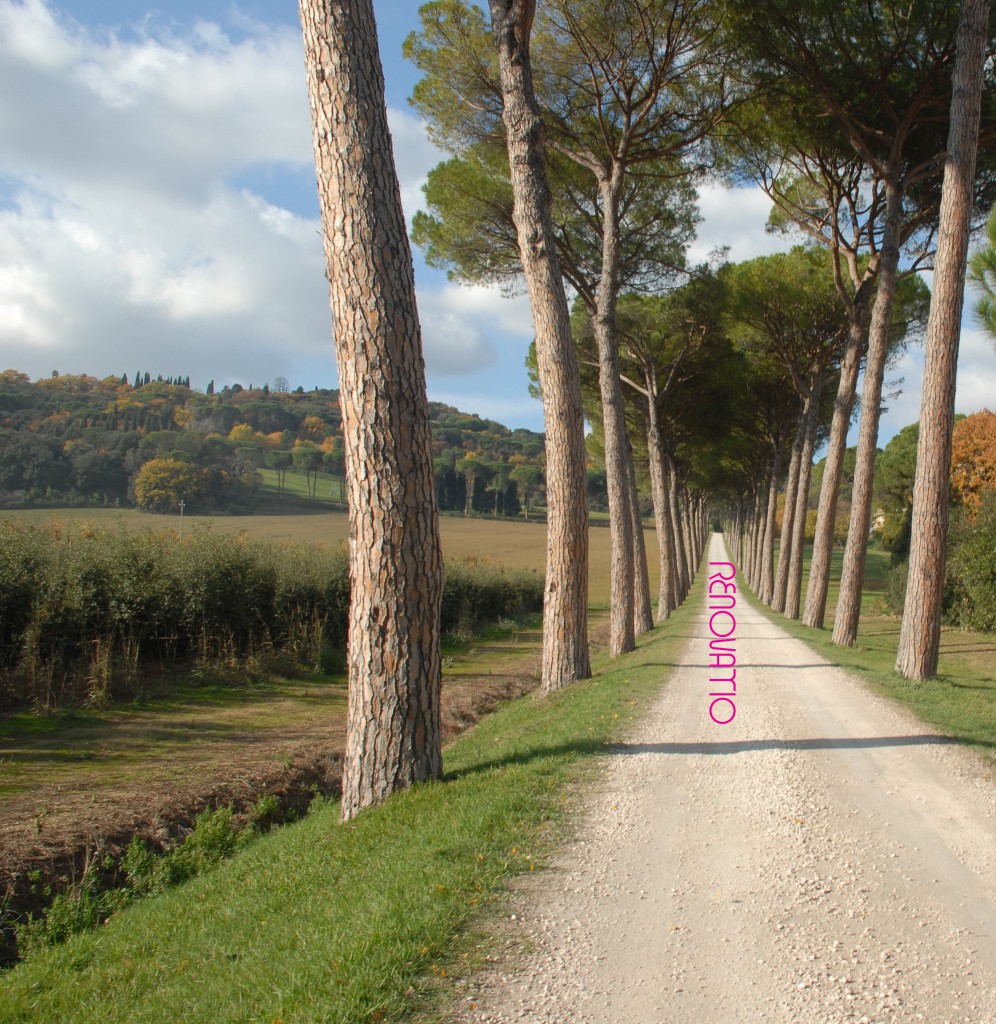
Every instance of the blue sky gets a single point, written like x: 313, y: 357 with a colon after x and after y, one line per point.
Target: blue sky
x: 158, y: 210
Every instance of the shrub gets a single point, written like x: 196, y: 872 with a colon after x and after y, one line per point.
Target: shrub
x: 972, y: 567
x: 99, y: 894
x: 894, y: 592
x: 80, y: 908
x: 475, y: 593
x: 970, y: 577
x: 213, y: 839
x: 82, y: 610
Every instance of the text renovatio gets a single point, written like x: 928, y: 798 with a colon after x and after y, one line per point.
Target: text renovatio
x: 723, y: 642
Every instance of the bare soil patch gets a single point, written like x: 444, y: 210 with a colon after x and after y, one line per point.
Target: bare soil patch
x: 89, y: 786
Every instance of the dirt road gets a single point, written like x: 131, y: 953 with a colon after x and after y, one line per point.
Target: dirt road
x: 821, y: 859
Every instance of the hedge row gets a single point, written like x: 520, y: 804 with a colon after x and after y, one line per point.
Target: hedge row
x: 970, y: 577
x: 84, y: 612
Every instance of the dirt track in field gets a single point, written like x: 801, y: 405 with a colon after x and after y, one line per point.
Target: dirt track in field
x: 823, y: 858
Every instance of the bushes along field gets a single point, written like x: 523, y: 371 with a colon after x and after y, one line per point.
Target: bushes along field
x: 85, y: 613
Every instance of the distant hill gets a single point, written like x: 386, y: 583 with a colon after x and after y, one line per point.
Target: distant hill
x: 81, y: 440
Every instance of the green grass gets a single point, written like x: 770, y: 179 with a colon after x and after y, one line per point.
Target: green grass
x: 961, y: 701
x: 324, y: 922
x: 296, y: 486
x: 193, y: 726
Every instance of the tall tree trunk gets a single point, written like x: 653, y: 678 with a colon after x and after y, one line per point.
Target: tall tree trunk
x: 695, y: 530
x: 565, y: 603
x: 666, y: 601
x: 845, y: 624
x: 700, y: 532
x: 833, y: 469
x: 643, y: 616
x: 756, y: 535
x: 682, y: 577
x: 766, y: 584
x: 396, y: 570
x: 920, y: 634
x: 760, y: 516
x: 622, y: 637
x: 793, y: 591
x: 788, y: 514
x: 746, y: 565
x: 745, y: 559
x: 688, y: 536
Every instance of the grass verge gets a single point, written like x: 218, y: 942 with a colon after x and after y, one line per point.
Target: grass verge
x: 348, y: 924
x: 960, y: 701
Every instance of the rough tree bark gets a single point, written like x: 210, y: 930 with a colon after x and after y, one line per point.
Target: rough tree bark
x: 826, y: 516
x: 793, y: 590
x: 565, y: 607
x: 788, y: 515
x: 920, y: 634
x: 396, y: 571
x: 666, y: 599
x: 757, y: 533
x: 643, y: 616
x: 766, y: 582
x: 682, y: 575
x: 688, y: 535
x: 845, y: 624
x: 622, y: 635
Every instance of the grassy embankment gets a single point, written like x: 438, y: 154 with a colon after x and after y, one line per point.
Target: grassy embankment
x: 961, y: 701
x: 184, y: 733
x: 355, y: 923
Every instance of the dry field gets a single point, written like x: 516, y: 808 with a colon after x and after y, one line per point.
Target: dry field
x: 518, y: 545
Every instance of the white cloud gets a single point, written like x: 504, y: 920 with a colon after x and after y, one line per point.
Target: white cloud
x: 129, y: 237
x: 462, y: 325
x: 524, y: 411
x: 414, y: 157
x: 976, y: 371
x: 491, y: 305
x: 734, y: 218
x: 171, y: 113
x: 32, y: 35
x: 976, y: 384
x: 900, y: 395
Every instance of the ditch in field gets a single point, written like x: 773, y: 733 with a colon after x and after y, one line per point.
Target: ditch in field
x: 82, y: 781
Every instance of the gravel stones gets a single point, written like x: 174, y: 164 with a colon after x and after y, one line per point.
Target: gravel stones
x: 823, y: 859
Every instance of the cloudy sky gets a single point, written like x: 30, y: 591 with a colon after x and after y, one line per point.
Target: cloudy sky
x: 158, y: 210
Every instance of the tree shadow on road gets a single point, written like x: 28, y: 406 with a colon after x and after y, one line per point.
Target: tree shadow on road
x: 587, y: 748
x: 740, y: 665
x: 743, y: 746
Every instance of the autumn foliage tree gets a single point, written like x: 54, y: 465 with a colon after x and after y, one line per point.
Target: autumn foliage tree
x: 161, y: 484
x: 973, y: 459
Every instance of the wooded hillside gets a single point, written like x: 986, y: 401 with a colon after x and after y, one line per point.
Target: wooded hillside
x: 79, y: 440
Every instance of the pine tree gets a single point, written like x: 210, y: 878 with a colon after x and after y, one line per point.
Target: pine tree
x: 396, y: 572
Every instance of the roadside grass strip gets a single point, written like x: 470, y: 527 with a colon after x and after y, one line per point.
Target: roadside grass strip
x: 345, y: 924
x: 960, y: 701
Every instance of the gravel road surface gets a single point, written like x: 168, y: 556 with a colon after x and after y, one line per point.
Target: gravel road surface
x: 821, y: 859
